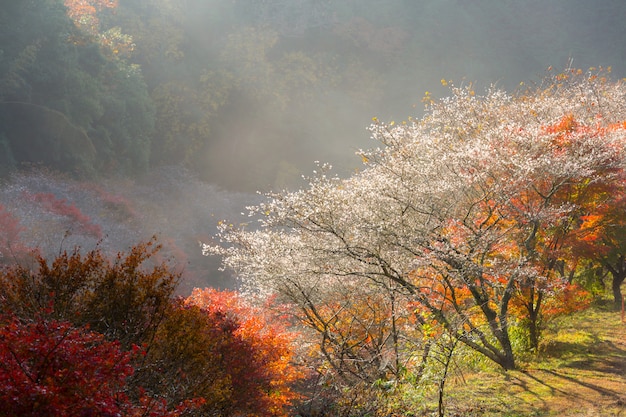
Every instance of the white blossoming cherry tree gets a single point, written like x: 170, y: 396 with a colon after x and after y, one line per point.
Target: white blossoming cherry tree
x: 463, y: 217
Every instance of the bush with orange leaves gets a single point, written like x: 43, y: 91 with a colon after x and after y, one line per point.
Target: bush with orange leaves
x: 211, y: 354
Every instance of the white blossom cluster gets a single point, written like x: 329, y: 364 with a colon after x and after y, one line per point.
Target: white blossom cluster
x: 455, y: 211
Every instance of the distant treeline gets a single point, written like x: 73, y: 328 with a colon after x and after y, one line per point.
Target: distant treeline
x: 247, y: 93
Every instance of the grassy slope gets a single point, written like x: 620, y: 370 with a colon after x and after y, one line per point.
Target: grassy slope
x: 581, y: 371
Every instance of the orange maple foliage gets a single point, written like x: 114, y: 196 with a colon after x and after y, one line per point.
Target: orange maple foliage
x: 84, y: 12
x: 600, y: 235
x: 570, y: 298
x: 359, y: 333
x: 257, y: 351
x: 563, y: 130
x: 556, y: 247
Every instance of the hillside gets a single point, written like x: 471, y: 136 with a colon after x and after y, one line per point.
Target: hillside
x: 580, y: 371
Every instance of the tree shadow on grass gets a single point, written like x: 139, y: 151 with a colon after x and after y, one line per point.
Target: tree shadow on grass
x: 593, y: 354
x: 524, y: 385
x: 617, y: 395
x: 545, y: 389
x: 605, y: 357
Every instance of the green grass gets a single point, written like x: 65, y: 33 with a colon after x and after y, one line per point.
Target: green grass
x: 579, y: 371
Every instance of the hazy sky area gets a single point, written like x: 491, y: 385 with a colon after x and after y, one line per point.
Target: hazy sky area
x: 217, y: 99
x: 377, y: 58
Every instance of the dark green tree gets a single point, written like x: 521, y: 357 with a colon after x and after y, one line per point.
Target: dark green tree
x: 66, y: 100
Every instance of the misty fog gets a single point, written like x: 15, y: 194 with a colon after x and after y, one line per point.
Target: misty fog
x: 198, y: 104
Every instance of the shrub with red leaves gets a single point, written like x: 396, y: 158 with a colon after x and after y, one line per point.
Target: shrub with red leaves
x: 49, y: 368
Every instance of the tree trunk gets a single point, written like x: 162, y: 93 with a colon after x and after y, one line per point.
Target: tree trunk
x: 508, y: 361
x: 533, y: 307
x: 506, y: 356
x: 617, y: 290
x: 618, y: 273
x: 533, y: 328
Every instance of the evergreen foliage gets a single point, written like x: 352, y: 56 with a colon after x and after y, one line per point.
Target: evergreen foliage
x: 64, y: 102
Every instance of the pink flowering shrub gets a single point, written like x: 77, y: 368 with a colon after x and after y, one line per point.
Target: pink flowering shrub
x: 61, y: 207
